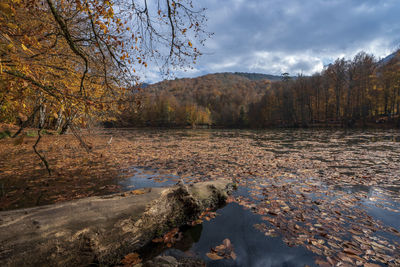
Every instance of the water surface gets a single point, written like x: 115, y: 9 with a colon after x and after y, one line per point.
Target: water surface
x: 305, y: 197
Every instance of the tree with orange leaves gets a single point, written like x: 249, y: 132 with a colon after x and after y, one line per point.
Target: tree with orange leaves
x: 66, y: 61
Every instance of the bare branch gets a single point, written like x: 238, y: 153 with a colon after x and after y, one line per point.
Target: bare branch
x: 42, y: 158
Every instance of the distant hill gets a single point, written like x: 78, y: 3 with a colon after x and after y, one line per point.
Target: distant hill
x: 220, y: 98
x: 389, y: 58
x: 216, y: 83
x: 144, y: 85
x: 228, y: 78
x: 258, y: 76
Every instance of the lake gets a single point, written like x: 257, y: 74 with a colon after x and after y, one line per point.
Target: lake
x: 304, y: 197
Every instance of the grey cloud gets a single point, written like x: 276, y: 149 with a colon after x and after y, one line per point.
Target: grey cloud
x: 295, y: 36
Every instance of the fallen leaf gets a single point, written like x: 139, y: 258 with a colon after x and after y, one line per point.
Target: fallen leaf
x: 131, y: 259
x: 214, y: 256
x: 138, y: 192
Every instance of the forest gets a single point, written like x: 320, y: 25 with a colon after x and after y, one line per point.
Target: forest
x: 347, y: 93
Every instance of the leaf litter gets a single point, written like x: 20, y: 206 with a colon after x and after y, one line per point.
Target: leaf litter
x: 314, y: 189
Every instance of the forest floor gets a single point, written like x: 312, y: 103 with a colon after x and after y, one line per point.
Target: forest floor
x: 75, y: 173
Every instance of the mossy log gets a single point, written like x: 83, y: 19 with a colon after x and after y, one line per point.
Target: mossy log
x: 101, y: 230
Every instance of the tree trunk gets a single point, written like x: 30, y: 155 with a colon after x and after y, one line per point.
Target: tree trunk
x: 101, y: 230
x: 65, y: 127
x: 59, y: 120
x: 42, y: 115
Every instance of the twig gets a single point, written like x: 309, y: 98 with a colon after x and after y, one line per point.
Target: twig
x: 25, y: 123
x: 42, y: 158
x: 109, y: 141
x: 172, y: 29
x: 83, y: 143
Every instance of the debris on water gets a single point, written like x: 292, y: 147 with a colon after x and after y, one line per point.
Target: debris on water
x: 223, y: 251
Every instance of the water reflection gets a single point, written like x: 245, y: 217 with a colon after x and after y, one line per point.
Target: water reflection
x: 354, y: 172
x: 145, y: 178
x: 251, y: 246
x: 378, y: 204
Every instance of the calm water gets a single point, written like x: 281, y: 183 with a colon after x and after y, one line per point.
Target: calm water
x: 354, y: 173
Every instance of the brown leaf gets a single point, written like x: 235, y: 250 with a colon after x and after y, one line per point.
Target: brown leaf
x: 227, y: 243
x: 214, y: 256
x: 371, y: 265
x: 158, y: 240
x: 352, y: 251
x: 131, y: 259
x: 138, y: 192
x: 322, y: 263
x: 220, y: 248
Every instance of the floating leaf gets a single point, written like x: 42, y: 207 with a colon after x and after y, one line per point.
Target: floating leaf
x: 138, y: 192
x: 371, y: 265
x: 214, y: 256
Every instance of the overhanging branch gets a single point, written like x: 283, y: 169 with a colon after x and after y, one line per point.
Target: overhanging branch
x: 69, y: 40
x: 47, y: 89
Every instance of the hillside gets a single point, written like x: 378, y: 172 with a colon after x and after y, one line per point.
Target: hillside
x: 220, y: 98
x: 395, y: 56
x: 258, y: 76
x: 219, y: 81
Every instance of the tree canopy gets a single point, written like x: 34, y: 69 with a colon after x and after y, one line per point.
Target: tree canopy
x: 68, y: 60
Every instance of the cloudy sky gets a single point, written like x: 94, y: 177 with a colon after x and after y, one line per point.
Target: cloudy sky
x: 295, y: 36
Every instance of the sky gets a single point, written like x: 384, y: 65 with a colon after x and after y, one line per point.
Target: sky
x: 294, y: 36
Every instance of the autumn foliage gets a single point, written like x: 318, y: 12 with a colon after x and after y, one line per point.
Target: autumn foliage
x: 347, y: 93
x: 66, y: 62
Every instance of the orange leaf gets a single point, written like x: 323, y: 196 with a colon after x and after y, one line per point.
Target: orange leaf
x: 214, y: 256
x: 131, y: 259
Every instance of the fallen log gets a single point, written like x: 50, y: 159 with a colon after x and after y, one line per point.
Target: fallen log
x: 101, y: 230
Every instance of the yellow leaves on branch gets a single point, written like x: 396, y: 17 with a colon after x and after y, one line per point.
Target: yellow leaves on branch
x: 6, y: 9
x: 27, y: 49
x: 43, y: 59
x: 92, y: 57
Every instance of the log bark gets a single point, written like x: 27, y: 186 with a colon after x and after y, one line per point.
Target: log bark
x: 101, y: 230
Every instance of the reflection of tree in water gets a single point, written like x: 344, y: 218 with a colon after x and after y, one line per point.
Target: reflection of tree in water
x: 190, y: 235
x: 354, y: 188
